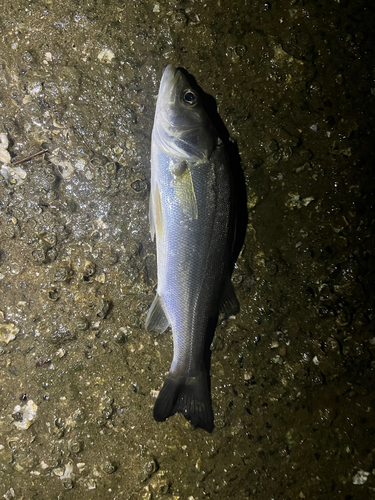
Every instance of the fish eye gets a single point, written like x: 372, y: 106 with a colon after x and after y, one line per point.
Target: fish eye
x: 190, y: 98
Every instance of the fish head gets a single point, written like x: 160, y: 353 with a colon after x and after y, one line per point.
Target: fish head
x: 181, y: 127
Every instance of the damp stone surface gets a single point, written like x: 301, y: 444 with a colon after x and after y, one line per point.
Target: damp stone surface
x: 292, y: 374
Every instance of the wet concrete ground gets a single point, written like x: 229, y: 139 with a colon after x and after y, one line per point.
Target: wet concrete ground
x: 293, y: 374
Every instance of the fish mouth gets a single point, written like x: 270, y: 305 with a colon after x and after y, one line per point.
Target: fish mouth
x: 168, y: 82
x: 170, y: 69
x: 171, y: 79
x: 167, y: 102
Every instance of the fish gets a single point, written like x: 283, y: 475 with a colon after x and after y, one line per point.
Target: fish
x: 193, y: 218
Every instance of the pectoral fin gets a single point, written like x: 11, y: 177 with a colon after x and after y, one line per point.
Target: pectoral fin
x: 156, y: 320
x: 185, y: 192
x: 155, y: 213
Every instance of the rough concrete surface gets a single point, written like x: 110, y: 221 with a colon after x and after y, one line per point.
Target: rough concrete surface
x: 293, y: 374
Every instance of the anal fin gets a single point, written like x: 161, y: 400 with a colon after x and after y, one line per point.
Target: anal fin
x: 229, y: 305
x: 156, y: 320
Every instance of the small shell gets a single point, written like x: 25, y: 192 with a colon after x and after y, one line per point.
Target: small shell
x: 64, y: 273
x: 103, y: 308
x: 68, y: 482
x: 54, y: 294
x: 8, y: 332
x: 148, y: 470
x: 108, y: 467
x: 106, y: 56
x: 75, y: 445
x: 19, y: 172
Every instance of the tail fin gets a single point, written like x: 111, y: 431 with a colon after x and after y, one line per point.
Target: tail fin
x: 189, y: 396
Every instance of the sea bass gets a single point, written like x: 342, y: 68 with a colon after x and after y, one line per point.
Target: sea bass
x: 192, y: 217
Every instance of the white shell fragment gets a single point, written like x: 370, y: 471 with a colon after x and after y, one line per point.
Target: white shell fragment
x: 4, y: 143
x: 295, y: 201
x: 28, y: 414
x: 360, y: 477
x: 65, y: 166
x: 9, y: 494
x: 65, y: 473
x: 15, y: 175
x: 106, y: 56
x: 8, y: 332
x: 4, y: 156
x: 91, y: 484
x: 35, y: 90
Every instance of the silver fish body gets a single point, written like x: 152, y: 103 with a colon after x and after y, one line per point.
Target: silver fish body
x: 192, y: 217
